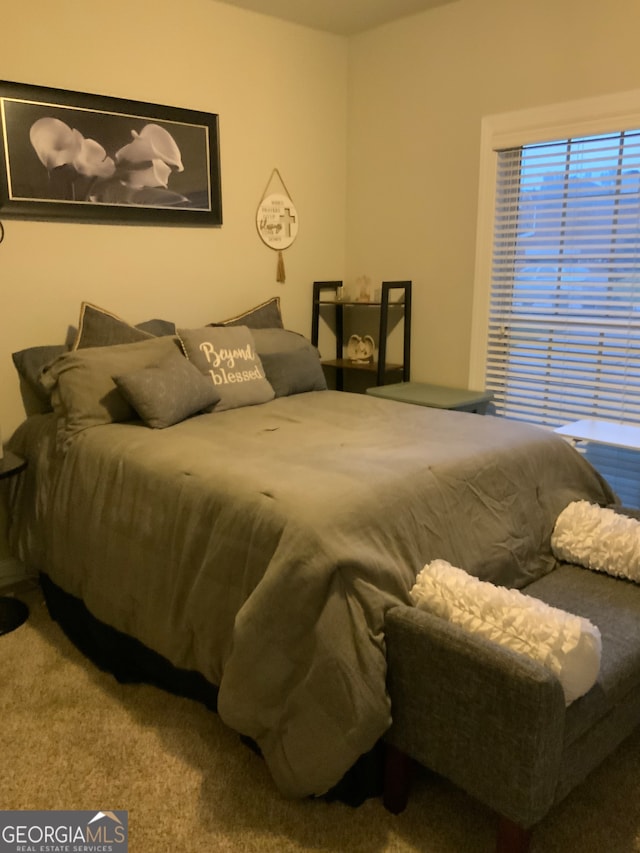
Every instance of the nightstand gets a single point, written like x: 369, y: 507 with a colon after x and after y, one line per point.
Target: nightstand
x: 13, y: 612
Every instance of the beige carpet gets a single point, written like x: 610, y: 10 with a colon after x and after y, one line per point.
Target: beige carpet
x: 71, y: 737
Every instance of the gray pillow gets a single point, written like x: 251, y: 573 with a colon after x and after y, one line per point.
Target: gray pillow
x: 100, y: 328
x: 167, y: 393
x: 264, y: 316
x: 157, y: 328
x: 83, y: 391
x: 29, y: 363
x: 294, y: 372
x: 227, y: 355
x: 279, y: 340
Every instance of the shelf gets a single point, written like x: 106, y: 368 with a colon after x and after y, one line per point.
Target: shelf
x: 349, y: 304
x: 388, y: 312
x: 345, y: 363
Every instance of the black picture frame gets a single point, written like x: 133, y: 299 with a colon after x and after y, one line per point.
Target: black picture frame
x: 73, y: 156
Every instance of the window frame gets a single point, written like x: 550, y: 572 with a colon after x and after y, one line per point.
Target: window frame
x: 590, y: 116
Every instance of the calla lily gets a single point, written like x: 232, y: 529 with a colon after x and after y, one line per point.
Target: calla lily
x: 54, y: 142
x: 91, y: 159
x: 152, y: 143
x: 156, y: 175
x: 80, y: 169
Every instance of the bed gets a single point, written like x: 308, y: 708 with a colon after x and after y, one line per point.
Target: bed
x: 260, y: 545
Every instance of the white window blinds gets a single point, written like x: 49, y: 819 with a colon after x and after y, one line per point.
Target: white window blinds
x: 564, y: 319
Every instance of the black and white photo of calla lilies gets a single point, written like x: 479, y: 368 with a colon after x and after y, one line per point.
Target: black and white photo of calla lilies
x: 70, y: 155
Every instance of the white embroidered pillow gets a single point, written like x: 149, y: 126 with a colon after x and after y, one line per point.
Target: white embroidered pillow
x: 599, y: 539
x: 568, y: 645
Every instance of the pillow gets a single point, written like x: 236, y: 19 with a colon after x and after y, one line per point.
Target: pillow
x: 279, y: 340
x: 83, y: 391
x: 100, y: 328
x: 264, y: 316
x: 294, y: 372
x: 157, y: 328
x: 166, y: 393
x: 568, y: 645
x: 598, y: 539
x: 228, y: 357
x: 30, y: 363
x: 291, y: 362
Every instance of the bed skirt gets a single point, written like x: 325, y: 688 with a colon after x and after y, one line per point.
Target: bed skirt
x: 131, y: 662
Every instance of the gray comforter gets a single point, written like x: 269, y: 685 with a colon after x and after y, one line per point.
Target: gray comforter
x: 262, y: 546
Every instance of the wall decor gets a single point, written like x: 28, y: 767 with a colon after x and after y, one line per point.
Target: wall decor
x: 277, y: 221
x: 91, y: 158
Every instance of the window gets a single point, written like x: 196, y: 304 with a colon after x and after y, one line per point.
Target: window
x: 562, y: 319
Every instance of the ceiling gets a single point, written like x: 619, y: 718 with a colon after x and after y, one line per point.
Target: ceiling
x: 343, y: 17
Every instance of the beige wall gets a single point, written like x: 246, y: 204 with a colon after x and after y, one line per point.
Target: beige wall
x: 418, y: 90
x: 280, y: 92
x: 377, y: 138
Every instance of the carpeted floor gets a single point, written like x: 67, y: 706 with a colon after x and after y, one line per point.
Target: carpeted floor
x: 71, y: 737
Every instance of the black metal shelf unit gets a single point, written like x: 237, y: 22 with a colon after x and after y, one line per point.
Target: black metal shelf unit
x: 386, y: 309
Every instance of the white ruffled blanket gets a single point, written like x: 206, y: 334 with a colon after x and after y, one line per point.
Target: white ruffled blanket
x: 599, y: 539
x: 568, y: 645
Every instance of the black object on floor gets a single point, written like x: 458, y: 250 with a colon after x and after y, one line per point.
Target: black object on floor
x: 13, y: 613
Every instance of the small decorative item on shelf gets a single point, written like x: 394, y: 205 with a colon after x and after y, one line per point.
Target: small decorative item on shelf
x: 360, y: 350
x: 363, y: 289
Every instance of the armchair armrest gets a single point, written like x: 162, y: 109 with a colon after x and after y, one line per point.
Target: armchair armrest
x: 486, y: 718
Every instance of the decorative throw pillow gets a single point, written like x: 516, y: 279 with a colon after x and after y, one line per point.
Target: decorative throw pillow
x: 294, y: 372
x: 83, y: 391
x: 264, y: 316
x: 30, y: 363
x: 291, y: 362
x: 167, y: 393
x: 599, y: 539
x: 100, y: 328
x: 279, y: 340
x: 227, y: 355
x: 157, y: 328
x: 568, y: 645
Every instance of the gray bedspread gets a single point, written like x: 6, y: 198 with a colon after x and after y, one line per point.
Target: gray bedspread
x: 262, y: 546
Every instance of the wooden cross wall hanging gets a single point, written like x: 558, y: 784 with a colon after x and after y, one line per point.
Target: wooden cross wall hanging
x: 277, y: 221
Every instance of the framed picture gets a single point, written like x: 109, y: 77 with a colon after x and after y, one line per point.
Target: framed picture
x: 89, y: 158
